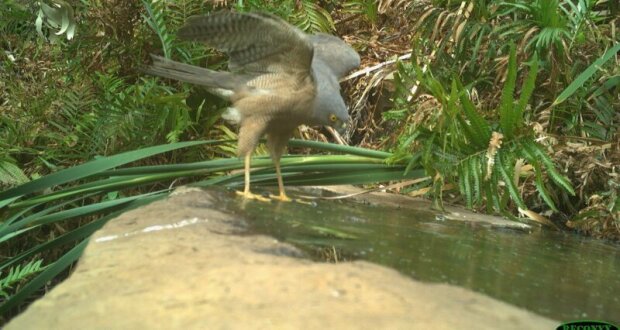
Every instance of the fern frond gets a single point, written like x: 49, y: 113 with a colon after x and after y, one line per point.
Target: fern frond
x: 427, y: 153
x: 18, y: 273
x: 537, y: 152
x: 311, y: 17
x: 494, y: 191
x: 526, y: 91
x: 414, y: 161
x: 11, y: 174
x: 531, y: 158
x: 475, y: 170
x: 489, y: 198
x: 540, y: 187
x: 504, y: 167
x: 465, y: 184
x: 155, y: 19
x: 480, y: 127
x: 368, y: 8
x: 507, y: 115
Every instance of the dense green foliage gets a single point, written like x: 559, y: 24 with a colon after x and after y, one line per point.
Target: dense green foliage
x: 490, y: 89
x: 478, y: 136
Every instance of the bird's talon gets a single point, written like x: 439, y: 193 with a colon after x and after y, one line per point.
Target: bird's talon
x: 285, y: 198
x: 249, y: 195
x: 281, y: 198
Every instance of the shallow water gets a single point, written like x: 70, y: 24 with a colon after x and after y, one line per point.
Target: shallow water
x: 558, y: 275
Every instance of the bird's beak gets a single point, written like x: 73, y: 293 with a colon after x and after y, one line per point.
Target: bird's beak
x: 341, y: 128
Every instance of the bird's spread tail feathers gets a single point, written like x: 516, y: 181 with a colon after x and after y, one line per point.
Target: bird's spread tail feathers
x: 192, y: 74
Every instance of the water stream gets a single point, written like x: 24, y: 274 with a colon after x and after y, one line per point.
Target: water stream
x: 559, y: 275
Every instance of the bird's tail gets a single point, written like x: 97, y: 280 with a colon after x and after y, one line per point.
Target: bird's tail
x: 192, y: 74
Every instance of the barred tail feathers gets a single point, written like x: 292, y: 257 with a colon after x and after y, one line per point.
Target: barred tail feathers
x: 192, y: 74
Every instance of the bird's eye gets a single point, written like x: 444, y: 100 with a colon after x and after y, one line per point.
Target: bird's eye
x: 333, y: 118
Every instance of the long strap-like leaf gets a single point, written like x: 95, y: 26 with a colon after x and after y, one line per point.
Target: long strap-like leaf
x: 90, y: 168
x: 586, y: 74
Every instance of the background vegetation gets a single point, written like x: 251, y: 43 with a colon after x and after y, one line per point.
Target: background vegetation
x: 509, y: 107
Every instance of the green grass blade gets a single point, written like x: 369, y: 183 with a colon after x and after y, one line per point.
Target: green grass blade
x: 44, y: 210
x: 356, y: 151
x: 71, y: 213
x: 79, y: 233
x: 14, y: 233
x: 352, y: 177
x: 101, y: 186
x: 15, y: 216
x: 212, y: 165
x: 90, y: 168
x: 586, y: 74
x: 7, y: 201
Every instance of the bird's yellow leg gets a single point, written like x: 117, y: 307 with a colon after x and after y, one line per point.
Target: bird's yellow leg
x: 282, y: 197
x: 246, y: 191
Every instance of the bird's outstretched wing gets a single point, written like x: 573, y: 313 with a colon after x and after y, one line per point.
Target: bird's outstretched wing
x: 335, y: 53
x: 256, y: 42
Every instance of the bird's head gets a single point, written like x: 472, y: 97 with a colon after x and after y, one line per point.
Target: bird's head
x: 329, y: 108
x: 338, y: 122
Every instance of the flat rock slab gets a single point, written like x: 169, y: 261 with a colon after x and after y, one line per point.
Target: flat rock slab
x: 187, y: 263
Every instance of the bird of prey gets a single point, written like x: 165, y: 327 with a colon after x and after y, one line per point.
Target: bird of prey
x: 279, y: 78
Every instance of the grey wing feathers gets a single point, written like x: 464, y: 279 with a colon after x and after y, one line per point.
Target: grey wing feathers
x: 255, y: 43
x: 336, y: 53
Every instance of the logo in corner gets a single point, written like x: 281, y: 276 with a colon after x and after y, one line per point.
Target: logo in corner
x: 587, y: 325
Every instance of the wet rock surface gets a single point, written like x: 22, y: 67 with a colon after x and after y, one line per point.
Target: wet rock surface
x: 188, y: 262
x: 450, y: 212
